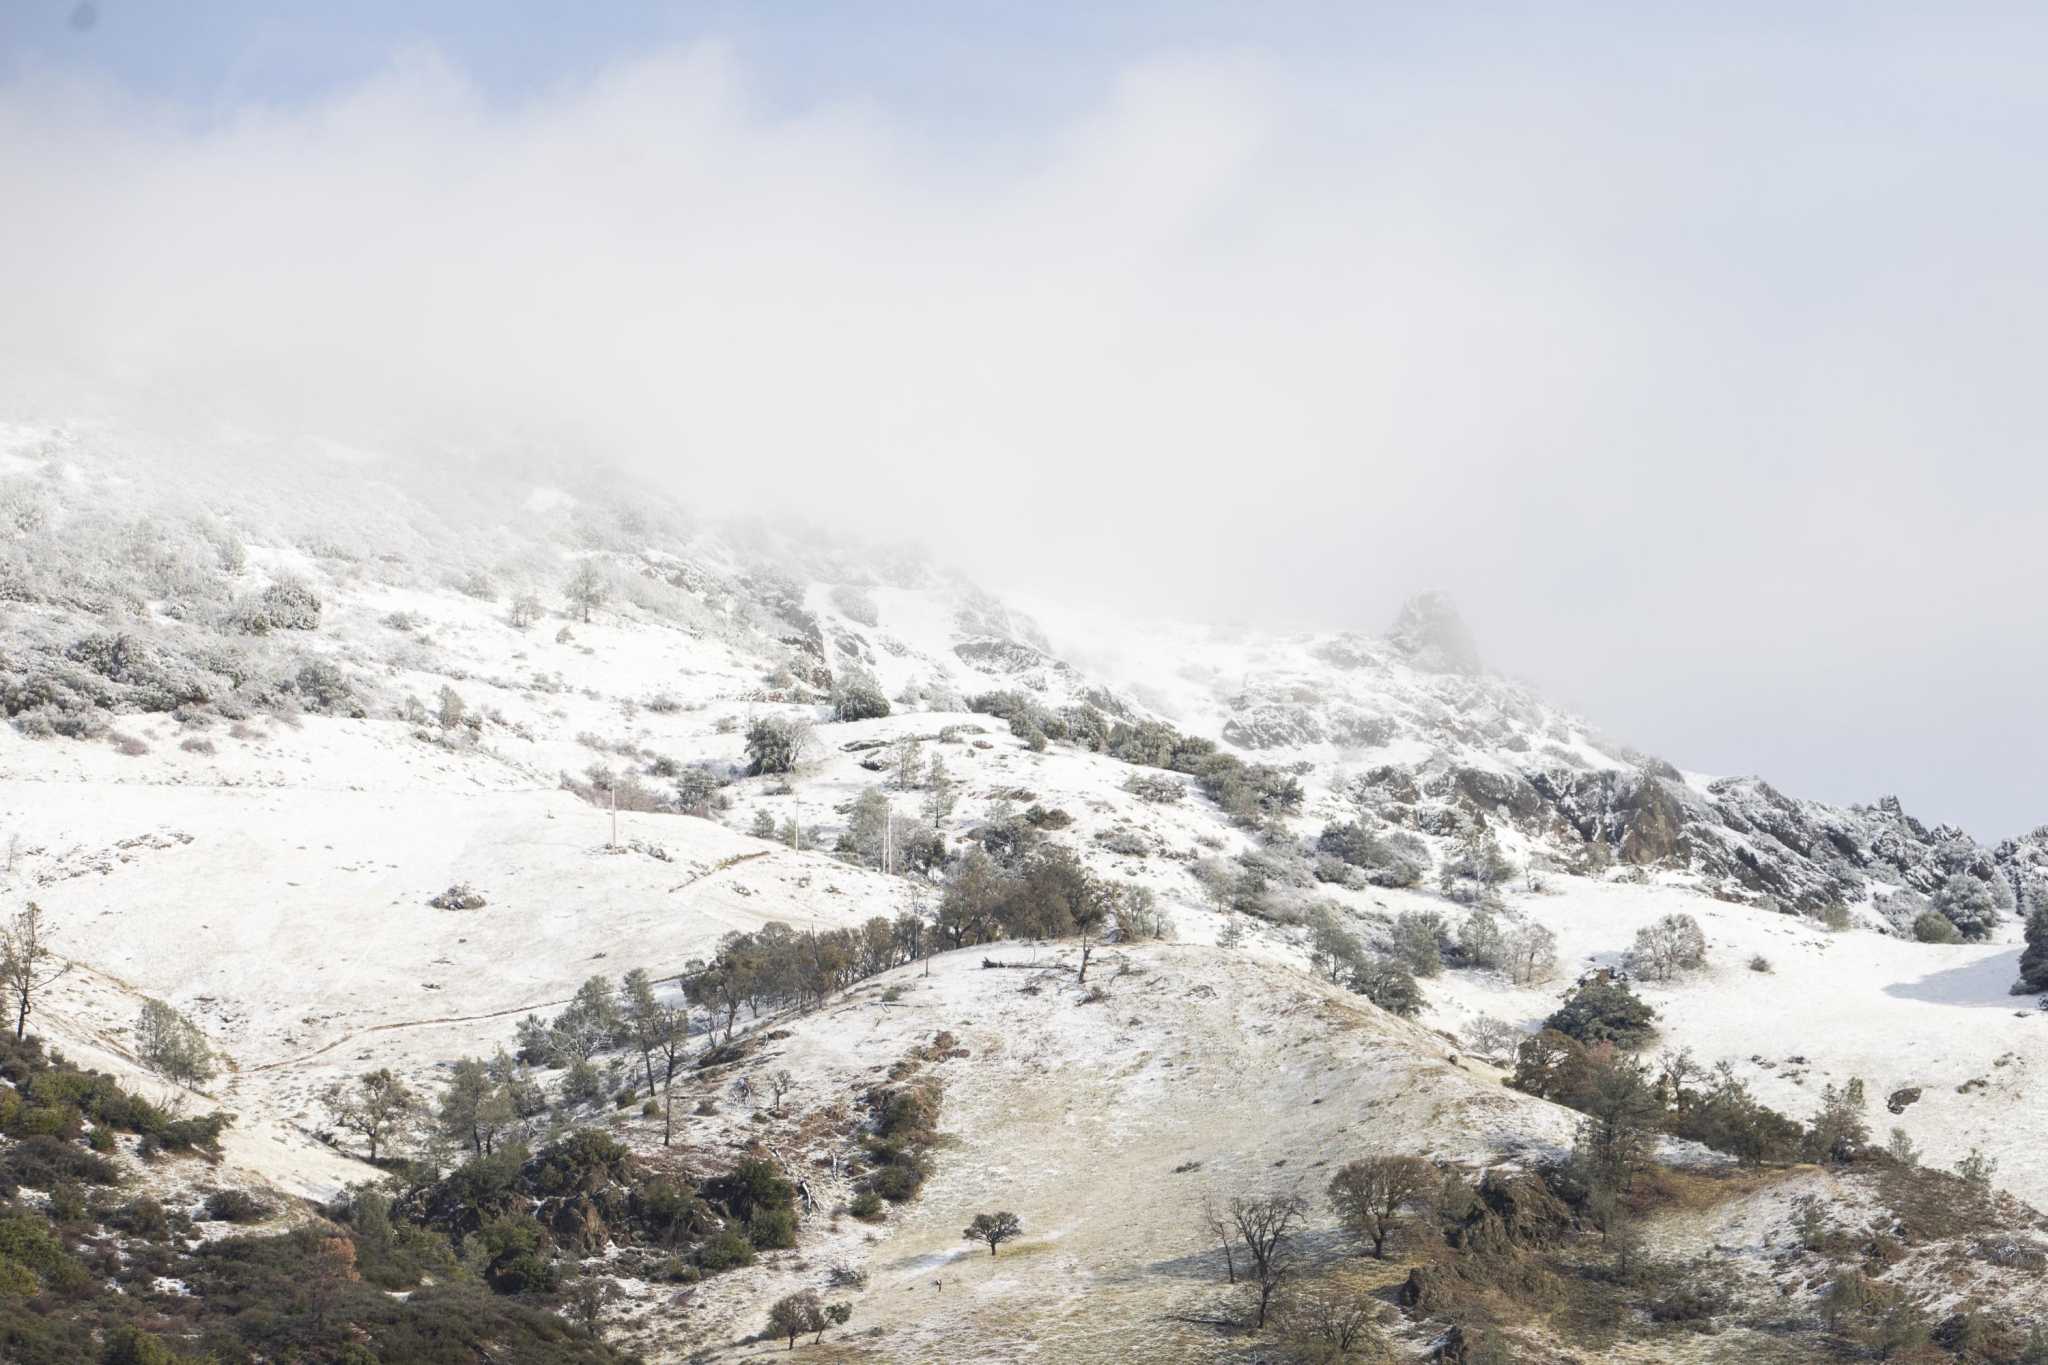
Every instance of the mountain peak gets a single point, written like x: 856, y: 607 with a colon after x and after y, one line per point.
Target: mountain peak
x: 1434, y: 636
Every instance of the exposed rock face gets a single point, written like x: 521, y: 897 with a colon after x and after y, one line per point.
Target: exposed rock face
x: 578, y: 1225
x: 1433, y: 636
x: 1739, y: 832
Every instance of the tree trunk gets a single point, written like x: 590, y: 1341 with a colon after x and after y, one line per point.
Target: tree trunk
x: 21, y: 1018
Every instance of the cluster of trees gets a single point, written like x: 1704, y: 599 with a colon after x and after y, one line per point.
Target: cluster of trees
x: 1474, y: 868
x: 1043, y: 893
x: 1526, y: 952
x: 778, y: 967
x: 81, y: 1267
x: 1582, y: 1058
x: 1395, y: 858
x: 172, y: 1046
x: 1247, y: 792
x: 875, y: 837
x: 1261, y: 1238
x: 1386, y: 979
x: 805, y: 1314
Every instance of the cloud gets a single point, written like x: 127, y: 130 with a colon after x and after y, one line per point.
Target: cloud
x: 1698, y: 365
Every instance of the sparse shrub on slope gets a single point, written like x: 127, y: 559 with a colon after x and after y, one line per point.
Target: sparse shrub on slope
x: 1392, y: 859
x: 290, y: 603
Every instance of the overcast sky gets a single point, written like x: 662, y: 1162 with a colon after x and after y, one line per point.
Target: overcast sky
x: 1698, y: 355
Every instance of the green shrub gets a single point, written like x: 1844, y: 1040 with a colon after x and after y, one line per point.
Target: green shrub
x: 772, y: 1229
x: 1934, y: 927
x: 724, y: 1250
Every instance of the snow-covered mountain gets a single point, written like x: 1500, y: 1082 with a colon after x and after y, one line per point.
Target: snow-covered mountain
x: 267, y: 702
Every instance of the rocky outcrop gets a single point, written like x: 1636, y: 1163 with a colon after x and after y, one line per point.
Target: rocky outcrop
x: 1433, y: 637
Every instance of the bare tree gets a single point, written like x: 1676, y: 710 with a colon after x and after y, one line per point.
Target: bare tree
x: 587, y: 588
x: 1331, y: 1324
x: 1531, y: 955
x: 587, y: 1302
x: 1372, y: 1195
x: 27, y: 964
x: 1267, y: 1225
x: 1216, y: 1223
x: 376, y: 1105
x: 1673, y: 945
x: 780, y: 1084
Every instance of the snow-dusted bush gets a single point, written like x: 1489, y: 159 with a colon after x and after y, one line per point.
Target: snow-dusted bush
x: 1935, y: 927
x: 1900, y: 908
x: 1972, y: 904
x: 1157, y: 787
x: 776, y: 744
x: 1393, y: 859
x: 322, y: 686
x: 461, y: 896
x: 1388, y: 983
x: 857, y: 696
x: 290, y: 603
x: 1135, y: 912
x: 478, y: 584
x: 699, y: 790
x: 1127, y: 842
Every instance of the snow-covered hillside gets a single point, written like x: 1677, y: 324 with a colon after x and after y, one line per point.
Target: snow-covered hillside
x: 260, y: 720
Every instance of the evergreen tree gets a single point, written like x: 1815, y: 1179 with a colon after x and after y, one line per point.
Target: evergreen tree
x: 2034, y: 959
